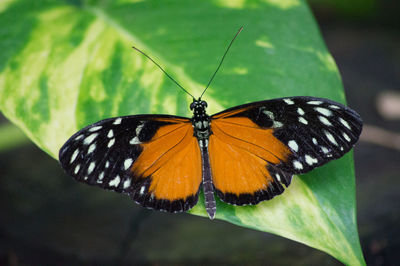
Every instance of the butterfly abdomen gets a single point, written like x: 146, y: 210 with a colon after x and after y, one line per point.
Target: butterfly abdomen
x: 208, y: 187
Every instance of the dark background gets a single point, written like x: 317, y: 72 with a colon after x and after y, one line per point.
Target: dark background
x: 47, y: 218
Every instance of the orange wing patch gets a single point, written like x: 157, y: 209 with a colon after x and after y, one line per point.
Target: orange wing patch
x: 240, y: 152
x: 172, y: 161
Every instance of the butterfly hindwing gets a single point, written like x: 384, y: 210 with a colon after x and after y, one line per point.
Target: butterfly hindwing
x: 274, y: 139
x: 127, y: 154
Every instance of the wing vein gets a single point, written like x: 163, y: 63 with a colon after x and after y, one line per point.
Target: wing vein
x: 168, y: 151
x: 247, y: 143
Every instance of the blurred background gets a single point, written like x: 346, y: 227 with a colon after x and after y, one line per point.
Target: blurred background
x: 363, y: 37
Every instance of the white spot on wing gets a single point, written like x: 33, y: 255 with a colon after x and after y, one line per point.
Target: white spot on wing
x: 110, y: 134
x: 302, y: 120
x: 314, y: 102
x: 127, y: 163
x: 278, y: 177
x: 73, y: 157
x: 277, y: 124
x: 269, y: 114
x: 117, y: 121
x: 101, y: 175
x: 324, y: 150
x: 346, y: 137
x: 91, y: 167
x: 293, y: 145
x: 77, y: 169
x: 90, y: 138
x: 297, y: 165
x: 310, y: 160
x: 115, y: 181
x: 323, y: 111
x: 300, y: 111
x: 330, y: 138
x: 93, y: 129
x: 127, y: 183
x: 314, y: 141
x: 79, y: 137
x: 334, y: 106
x: 288, y: 101
x: 139, y: 128
x: 142, y: 190
x: 324, y: 120
x: 107, y: 164
x: 92, y: 148
x: 344, y: 123
x: 111, y: 142
x: 134, y: 141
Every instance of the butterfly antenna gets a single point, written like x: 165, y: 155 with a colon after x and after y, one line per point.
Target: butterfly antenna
x: 171, y: 78
x: 222, y: 60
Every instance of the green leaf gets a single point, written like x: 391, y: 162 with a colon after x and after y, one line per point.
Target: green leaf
x: 66, y: 64
x: 11, y: 137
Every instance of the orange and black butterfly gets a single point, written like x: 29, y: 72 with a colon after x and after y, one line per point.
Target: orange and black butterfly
x: 244, y: 155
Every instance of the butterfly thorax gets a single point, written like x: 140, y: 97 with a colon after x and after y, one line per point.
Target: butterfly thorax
x: 200, y: 121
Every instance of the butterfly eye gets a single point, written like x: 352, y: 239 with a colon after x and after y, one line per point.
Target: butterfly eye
x: 204, y: 103
x: 192, y: 106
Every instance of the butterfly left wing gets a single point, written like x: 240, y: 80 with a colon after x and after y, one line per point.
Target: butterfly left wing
x: 153, y: 158
x: 257, y: 147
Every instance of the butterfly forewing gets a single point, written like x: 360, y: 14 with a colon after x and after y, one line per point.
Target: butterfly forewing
x: 276, y: 139
x: 105, y: 154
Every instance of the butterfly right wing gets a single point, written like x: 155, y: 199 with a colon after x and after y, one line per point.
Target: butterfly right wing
x: 153, y: 158
x: 257, y: 147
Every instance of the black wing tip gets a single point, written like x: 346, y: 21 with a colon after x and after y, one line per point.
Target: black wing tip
x: 349, y: 110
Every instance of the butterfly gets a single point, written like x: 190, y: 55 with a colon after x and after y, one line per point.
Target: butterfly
x: 245, y: 154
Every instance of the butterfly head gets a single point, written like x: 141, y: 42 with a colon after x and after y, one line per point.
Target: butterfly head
x: 198, y: 107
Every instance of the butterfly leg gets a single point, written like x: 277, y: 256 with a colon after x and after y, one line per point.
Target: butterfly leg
x: 211, y: 206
